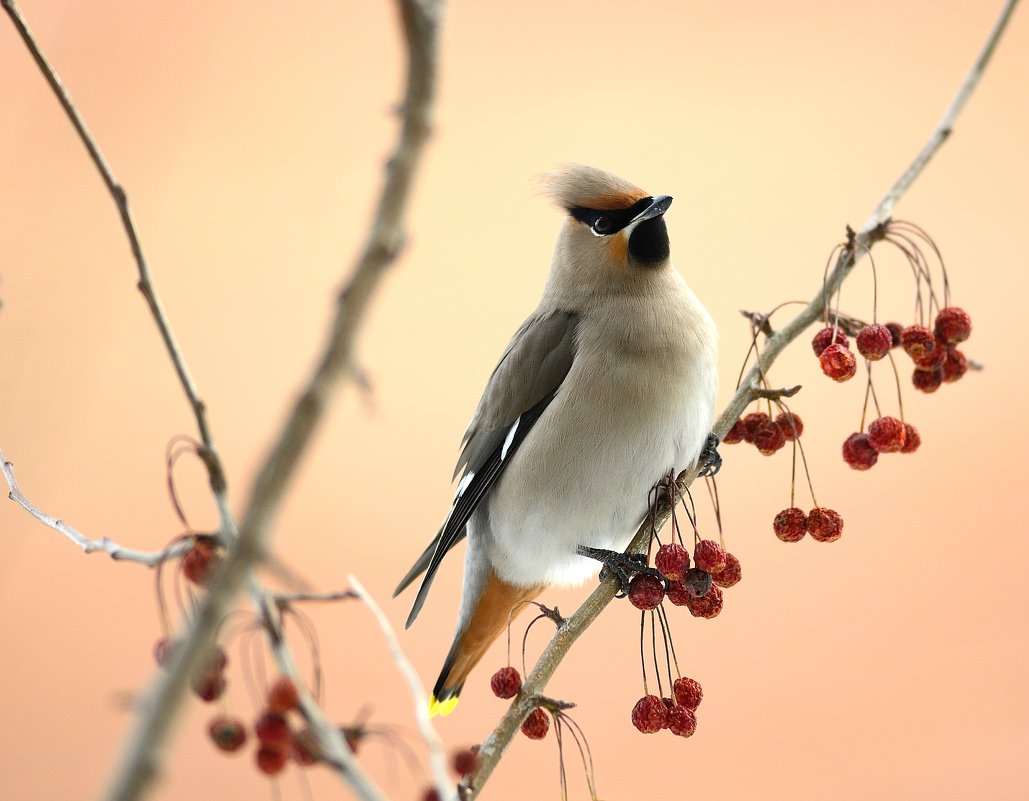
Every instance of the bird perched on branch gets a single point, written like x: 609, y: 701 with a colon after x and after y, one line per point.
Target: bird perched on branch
x: 606, y: 387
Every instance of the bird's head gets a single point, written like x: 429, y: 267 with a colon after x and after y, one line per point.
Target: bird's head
x: 612, y: 225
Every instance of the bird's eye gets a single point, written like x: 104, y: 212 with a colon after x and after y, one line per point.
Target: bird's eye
x: 603, y: 225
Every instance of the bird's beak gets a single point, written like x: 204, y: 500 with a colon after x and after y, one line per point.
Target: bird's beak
x: 658, y: 206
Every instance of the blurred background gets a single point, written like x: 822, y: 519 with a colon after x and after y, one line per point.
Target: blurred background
x: 251, y: 139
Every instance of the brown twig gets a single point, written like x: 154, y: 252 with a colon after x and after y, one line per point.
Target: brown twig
x: 494, y: 745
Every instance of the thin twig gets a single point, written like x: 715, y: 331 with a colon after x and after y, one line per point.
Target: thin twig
x: 286, y: 598
x: 494, y: 745
x: 437, y: 757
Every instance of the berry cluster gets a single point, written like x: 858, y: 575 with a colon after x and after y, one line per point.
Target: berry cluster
x: 764, y: 433
x: 824, y: 525
x: 507, y: 683
x: 678, y: 713
x: 698, y: 588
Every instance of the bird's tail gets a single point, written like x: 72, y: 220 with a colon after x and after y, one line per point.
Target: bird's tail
x: 497, y: 606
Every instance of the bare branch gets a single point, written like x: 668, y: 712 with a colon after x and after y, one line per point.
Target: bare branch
x: 286, y: 598
x: 493, y: 747
x: 437, y: 758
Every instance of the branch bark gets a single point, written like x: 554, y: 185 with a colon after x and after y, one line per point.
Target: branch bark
x: 568, y: 632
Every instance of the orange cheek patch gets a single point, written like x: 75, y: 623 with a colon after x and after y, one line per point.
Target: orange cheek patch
x: 618, y: 248
x: 614, y: 201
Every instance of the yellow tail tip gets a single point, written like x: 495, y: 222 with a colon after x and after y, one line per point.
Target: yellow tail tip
x: 442, y: 708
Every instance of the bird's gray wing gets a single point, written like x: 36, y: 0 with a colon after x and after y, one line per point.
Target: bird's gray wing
x: 524, y: 382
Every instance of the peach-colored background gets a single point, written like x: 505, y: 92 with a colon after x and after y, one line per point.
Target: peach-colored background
x: 250, y: 137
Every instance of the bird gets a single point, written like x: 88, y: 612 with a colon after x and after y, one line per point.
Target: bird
x: 607, y: 386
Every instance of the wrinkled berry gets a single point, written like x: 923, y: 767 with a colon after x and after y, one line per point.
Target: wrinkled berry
x: 464, y: 761
x: 688, y: 692
x: 649, y: 715
x: 228, y: 734
x: 911, y: 439
x: 697, y: 583
x: 790, y: 425
x: 271, y: 760
x: 273, y: 730
x: 536, y: 725
x: 874, y: 341
x: 730, y: 575
x: 824, y: 525
x: 824, y: 338
x: 672, y: 561
x: 751, y: 422
x: 200, y: 562
x: 954, y: 366
x: 927, y: 380
x: 708, y: 606
x: 858, y: 452
x: 895, y: 329
x: 838, y: 363
x: 790, y: 525
x: 953, y: 325
x: 677, y: 592
x: 506, y: 682
x: 768, y: 438
x: 682, y: 721
x: 709, y: 556
x: 886, y: 434
x: 283, y: 695
x: 736, y: 433
x: 646, y: 592
x: 917, y: 341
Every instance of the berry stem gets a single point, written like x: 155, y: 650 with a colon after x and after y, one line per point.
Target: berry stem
x: 896, y: 378
x: 671, y: 640
x: 643, y: 655
x: 653, y: 649
x: 664, y: 639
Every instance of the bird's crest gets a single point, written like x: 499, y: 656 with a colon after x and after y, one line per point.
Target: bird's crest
x: 578, y: 186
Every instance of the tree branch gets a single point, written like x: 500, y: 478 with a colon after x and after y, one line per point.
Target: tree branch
x: 568, y: 632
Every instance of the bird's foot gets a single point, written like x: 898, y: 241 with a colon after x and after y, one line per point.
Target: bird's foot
x: 710, y: 460
x: 622, y: 565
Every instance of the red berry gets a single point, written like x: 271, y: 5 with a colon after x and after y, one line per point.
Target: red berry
x: 697, y: 583
x: 838, y: 363
x: 305, y: 748
x: 164, y: 650
x: 677, y: 593
x: 886, y: 434
x: 650, y: 714
x: 954, y: 366
x: 464, y: 761
x: 859, y: 453
x: 708, y: 606
x: 824, y: 525
x: 736, y: 433
x: 790, y: 425
x: 911, y: 439
x: 874, y: 341
x: 208, y: 686
x: 709, y: 556
x: 824, y: 338
x: 927, y: 380
x: 682, y: 721
x: 790, y: 525
x: 271, y: 760
x: 273, y: 730
x: 672, y: 560
x: 646, y: 592
x: 751, y: 422
x: 283, y: 695
x: 917, y: 341
x: 228, y: 734
x: 200, y: 562
x: 953, y: 325
x: 768, y: 438
x: 933, y: 358
x: 506, y: 682
x: 688, y: 692
x: 536, y: 725
x: 895, y: 329
x: 729, y: 575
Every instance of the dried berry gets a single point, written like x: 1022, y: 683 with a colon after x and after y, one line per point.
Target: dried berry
x: 953, y: 325
x: 927, y: 380
x: 208, y: 686
x: 824, y: 525
x: 228, y: 734
x: 271, y: 760
x: 649, y: 715
x: 886, y: 434
x: 646, y: 592
x: 708, y: 606
x: 736, y: 433
x: 790, y: 525
x: 933, y: 358
x: 790, y: 425
x: 464, y: 761
x: 688, y: 692
x: 858, y: 452
x: 697, y: 584
x: 751, y: 422
x: 895, y: 329
x: 824, y: 338
x: 677, y: 592
x: 874, y: 341
x: 283, y: 695
x: 729, y: 575
x: 682, y: 721
x: 164, y: 650
x: 200, y: 562
x: 506, y: 682
x: 768, y: 438
x: 917, y: 340
x: 709, y: 556
x: 838, y: 363
x: 273, y: 730
x: 672, y: 560
x: 954, y: 366
x: 911, y: 439
x: 536, y: 725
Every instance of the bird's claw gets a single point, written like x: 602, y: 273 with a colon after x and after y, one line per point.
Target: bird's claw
x: 710, y: 460
x: 622, y: 565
